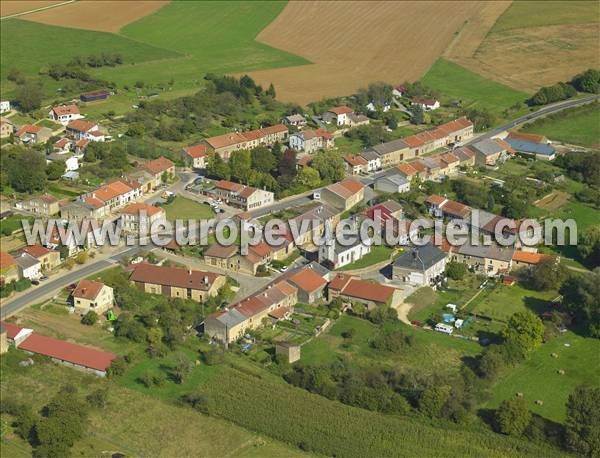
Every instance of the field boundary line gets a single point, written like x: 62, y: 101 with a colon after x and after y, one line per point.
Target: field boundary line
x: 43, y: 8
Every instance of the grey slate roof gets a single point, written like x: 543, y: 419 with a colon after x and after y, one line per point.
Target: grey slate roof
x: 25, y: 261
x: 343, y: 248
x: 390, y: 147
x: 490, y: 251
x: 420, y: 258
x: 488, y: 147
x: 397, y: 180
x: 231, y: 318
x: 531, y: 147
x: 370, y: 155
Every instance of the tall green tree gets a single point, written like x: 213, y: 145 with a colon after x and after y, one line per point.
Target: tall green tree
x: 263, y: 159
x: 26, y: 170
x: 330, y: 166
x: 525, y: 329
x: 29, y: 96
x: 512, y: 417
x: 580, y: 297
x: 583, y: 421
x: 240, y: 165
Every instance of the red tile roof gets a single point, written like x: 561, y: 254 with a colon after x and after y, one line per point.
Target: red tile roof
x: 530, y: 258
x: 341, y: 110
x: 435, y: 200
x: 65, y: 110
x: 81, y: 125
x: 159, y: 165
x: 407, y: 169
x: 355, y: 160
x: 37, y: 251
x: 339, y: 281
x: 136, y: 208
x: 454, y: 208
x: 196, y: 151
x: 6, y: 261
x: 413, y: 141
x: 28, y: 129
x: 361, y: 289
x: 279, y: 313
x: 225, y: 140
x: 63, y: 351
x: 88, y: 289
x: 217, y: 250
x: 174, y: 276
x: 527, y: 137
x: 94, y: 202
x: 307, y: 280
x: 229, y: 185
x: 68, y: 352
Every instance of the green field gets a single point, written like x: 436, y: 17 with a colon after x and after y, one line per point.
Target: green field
x: 524, y: 14
x: 30, y: 46
x: 578, y: 126
x: 584, y: 215
x: 501, y: 301
x: 538, y: 377
x: 182, y: 208
x: 431, y: 351
x: 181, y: 42
x: 457, y: 83
x: 132, y: 423
x: 264, y: 403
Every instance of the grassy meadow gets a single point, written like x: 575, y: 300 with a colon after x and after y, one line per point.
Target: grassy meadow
x: 578, y: 126
x: 182, y: 208
x: 181, y: 41
x: 525, y: 14
x: 132, y: 423
x: 457, y: 83
x: 538, y: 378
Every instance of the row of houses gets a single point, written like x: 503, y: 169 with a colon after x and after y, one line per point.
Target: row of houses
x: 386, y: 155
x: 307, y: 285
x: 31, y: 263
x: 241, y: 196
x: 112, y: 196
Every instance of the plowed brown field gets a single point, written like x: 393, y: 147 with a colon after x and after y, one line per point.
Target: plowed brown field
x: 355, y: 43
x: 105, y: 16
x: 10, y: 7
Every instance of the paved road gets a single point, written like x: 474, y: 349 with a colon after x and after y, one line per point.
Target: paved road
x: 537, y: 114
x: 47, y: 289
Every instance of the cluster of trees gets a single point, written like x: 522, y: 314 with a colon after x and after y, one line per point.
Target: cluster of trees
x: 276, y: 171
x: 582, y: 425
x: 224, y: 99
x: 24, y: 170
x: 547, y: 274
x: 391, y: 390
x: 581, y: 166
x: 523, y: 333
x: 588, y: 81
x: 554, y: 93
x: 580, y: 298
x: 61, y: 422
x: 369, y: 135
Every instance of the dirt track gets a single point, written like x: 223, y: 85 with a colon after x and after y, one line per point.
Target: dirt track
x: 355, y: 43
x: 105, y: 16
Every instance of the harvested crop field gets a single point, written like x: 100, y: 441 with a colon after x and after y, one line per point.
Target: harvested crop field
x: 355, y: 43
x: 553, y: 201
x: 105, y: 16
x: 533, y: 44
x: 10, y: 7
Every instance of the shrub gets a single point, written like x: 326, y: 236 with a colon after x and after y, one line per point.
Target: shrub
x: 90, y: 318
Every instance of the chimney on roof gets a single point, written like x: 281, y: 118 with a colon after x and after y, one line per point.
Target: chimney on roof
x: 82, y: 290
x: 189, y: 271
x: 206, y: 279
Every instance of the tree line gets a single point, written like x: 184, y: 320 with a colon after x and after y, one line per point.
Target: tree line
x: 587, y: 81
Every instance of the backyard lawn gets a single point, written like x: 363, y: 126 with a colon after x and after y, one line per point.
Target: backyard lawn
x: 379, y: 253
x: 431, y: 351
x: 182, y: 208
x: 538, y: 378
x: 500, y: 301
